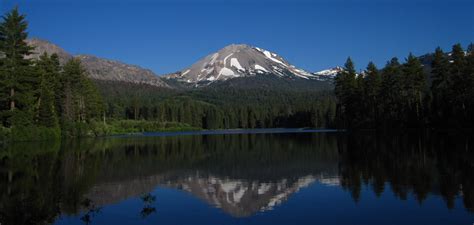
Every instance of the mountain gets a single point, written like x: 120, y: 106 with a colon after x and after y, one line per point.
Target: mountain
x: 110, y: 70
x: 42, y: 46
x: 239, y: 66
x: 99, y: 68
x: 329, y: 74
x: 235, y: 62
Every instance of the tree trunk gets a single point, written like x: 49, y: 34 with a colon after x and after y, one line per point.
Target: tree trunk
x: 68, y: 114
x: 12, y: 101
x: 82, y: 105
x: 135, y: 112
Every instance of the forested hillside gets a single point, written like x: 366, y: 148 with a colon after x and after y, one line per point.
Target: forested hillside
x: 220, y: 108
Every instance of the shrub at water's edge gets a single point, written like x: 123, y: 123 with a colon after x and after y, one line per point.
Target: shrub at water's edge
x: 90, y: 129
x: 34, y: 133
x: 136, y: 126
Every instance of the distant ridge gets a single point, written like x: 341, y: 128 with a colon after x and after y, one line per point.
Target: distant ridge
x: 99, y: 68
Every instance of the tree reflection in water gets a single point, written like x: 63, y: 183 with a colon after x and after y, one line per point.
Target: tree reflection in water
x: 424, y: 164
x: 148, y: 208
x: 246, y: 172
x: 91, y: 210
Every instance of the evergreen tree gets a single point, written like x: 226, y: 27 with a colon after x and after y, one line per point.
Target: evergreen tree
x: 345, y: 87
x: 414, y: 89
x: 359, y: 102
x: 92, y: 103
x: 48, y: 72
x: 70, y: 77
x: 469, y: 71
x: 390, y: 93
x: 373, y: 83
x: 440, y: 87
x: 17, y: 80
x: 80, y: 99
x: 459, y: 84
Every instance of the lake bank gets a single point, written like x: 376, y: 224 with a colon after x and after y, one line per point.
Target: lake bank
x: 229, y: 131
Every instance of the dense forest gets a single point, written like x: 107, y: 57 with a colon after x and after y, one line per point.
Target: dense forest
x: 409, y: 95
x: 216, y: 108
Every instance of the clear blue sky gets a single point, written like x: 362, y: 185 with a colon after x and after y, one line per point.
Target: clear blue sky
x: 167, y: 36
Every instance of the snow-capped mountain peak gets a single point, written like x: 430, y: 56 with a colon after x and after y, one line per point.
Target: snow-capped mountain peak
x: 239, y: 60
x: 328, y: 74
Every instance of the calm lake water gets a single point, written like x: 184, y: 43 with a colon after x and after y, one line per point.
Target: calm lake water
x: 240, y: 177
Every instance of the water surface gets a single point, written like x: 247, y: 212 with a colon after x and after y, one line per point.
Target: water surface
x: 241, y: 177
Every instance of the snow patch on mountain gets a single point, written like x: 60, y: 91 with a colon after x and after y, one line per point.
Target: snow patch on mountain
x: 270, y: 55
x: 225, y: 59
x: 235, y: 63
x: 186, y: 72
x: 258, y: 67
x: 226, y: 72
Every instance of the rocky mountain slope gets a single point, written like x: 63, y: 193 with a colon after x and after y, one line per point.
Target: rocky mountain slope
x: 42, y: 46
x: 99, y: 68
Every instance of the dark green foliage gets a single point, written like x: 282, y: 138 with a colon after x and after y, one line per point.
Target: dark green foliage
x: 440, y: 88
x: 220, y: 107
x: 398, y: 96
x: 34, y: 133
x: 138, y: 126
x: 372, y: 88
x: 17, y: 83
x: 80, y: 100
x: 390, y: 99
x: 48, y: 70
x: 460, y: 83
x: 345, y: 89
x: 413, y: 91
x: 469, y: 72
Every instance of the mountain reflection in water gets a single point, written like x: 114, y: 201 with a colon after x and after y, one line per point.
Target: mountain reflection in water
x: 242, y: 174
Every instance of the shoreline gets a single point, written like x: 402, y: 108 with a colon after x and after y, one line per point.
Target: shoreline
x: 229, y: 131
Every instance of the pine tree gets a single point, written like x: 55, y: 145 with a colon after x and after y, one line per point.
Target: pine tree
x: 358, y: 103
x: 70, y: 77
x: 373, y: 83
x: 46, y: 103
x: 390, y: 93
x: 459, y: 84
x: 80, y: 99
x: 414, y: 84
x: 345, y: 86
x: 17, y: 80
x: 469, y: 71
x: 440, y: 87
x: 93, y: 104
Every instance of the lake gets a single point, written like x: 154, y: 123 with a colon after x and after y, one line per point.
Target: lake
x: 241, y: 177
